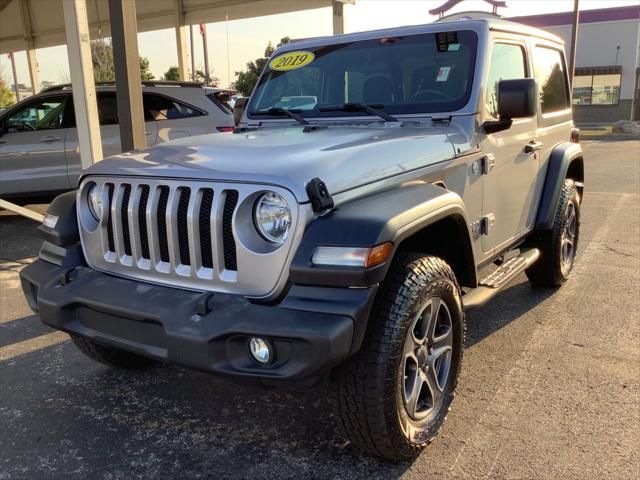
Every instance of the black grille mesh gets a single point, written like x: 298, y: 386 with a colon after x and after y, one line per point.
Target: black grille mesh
x: 112, y: 247
x: 183, y: 229
x: 230, y: 202
x: 142, y: 221
x: 124, y: 215
x: 204, y: 221
x: 162, y: 223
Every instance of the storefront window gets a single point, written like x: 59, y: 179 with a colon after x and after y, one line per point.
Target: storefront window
x: 596, y: 89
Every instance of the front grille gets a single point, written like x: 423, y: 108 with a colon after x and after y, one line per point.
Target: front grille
x: 182, y: 233
x: 129, y: 208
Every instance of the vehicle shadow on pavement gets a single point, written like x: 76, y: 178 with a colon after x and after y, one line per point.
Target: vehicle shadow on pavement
x: 22, y: 329
x: 73, y: 415
x: 506, y: 307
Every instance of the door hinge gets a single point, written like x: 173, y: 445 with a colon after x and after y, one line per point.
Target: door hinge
x: 488, y: 162
x: 486, y: 223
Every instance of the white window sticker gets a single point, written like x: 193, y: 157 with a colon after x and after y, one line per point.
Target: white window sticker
x: 453, y: 47
x: 443, y: 74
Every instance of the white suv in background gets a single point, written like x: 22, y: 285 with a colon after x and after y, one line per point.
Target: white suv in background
x: 39, y: 153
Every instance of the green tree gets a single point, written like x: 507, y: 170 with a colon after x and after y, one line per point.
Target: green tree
x: 6, y: 95
x: 172, y: 74
x: 247, y: 79
x: 102, y: 59
x: 145, y: 74
x: 213, y: 80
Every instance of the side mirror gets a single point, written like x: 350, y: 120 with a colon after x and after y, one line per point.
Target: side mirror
x: 516, y: 99
x: 238, y: 109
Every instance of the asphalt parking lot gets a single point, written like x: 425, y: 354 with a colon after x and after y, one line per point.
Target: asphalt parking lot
x: 550, y: 387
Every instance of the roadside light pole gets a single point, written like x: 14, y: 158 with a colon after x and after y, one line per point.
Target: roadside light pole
x: 574, y: 39
x: 193, y: 58
x: 15, y: 76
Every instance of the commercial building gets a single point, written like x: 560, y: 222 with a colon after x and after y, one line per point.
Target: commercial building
x: 606, y: 86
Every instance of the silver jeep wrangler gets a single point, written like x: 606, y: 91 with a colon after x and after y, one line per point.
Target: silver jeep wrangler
x: 372, y: 186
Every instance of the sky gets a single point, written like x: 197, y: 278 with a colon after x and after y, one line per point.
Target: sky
x: 248, y: 38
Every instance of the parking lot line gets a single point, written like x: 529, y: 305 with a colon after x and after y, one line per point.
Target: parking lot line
x: 27, y: 346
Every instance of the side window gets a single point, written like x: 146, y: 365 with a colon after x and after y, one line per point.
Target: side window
x: 107, y: 109
x: 158, y: 108
x: 42, y: 114
x: 507, y: 63
x: 552, y: 79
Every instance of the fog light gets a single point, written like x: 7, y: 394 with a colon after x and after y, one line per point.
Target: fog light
x: 260, y: 350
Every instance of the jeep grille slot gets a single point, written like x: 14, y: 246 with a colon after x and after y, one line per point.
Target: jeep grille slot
x: 124, y: 213
x: 142, y: 222
x: 204, y: 225
x: 182, y: 233
x: 183, y: 236
x: 230, y: 202
x: 111, y: 240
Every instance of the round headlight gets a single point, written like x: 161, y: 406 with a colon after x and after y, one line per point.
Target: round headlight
x: 95, y: 201
x: 273, y: 217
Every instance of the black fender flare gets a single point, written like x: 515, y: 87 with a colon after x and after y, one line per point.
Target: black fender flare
x: 389, y: 216
x: 559, y: 162
x: 66, y: 230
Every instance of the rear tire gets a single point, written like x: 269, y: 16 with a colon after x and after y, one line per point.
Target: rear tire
x: 559, y: 245
x: 110, y: 356
x: 393, y: 396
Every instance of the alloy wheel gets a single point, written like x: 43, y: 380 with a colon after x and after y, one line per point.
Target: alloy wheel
x: 427, y: 358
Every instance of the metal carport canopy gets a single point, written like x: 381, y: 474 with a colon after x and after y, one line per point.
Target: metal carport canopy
x: 40, y: 23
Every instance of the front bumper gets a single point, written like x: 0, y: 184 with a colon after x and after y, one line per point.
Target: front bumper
x: 311, y: 330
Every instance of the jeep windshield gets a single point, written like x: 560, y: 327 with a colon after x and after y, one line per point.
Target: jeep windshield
x: 410, y: 74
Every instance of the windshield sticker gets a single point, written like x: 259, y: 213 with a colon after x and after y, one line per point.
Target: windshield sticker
x: 291, y: 60
x: 453, y: 47
x: 443, y: 74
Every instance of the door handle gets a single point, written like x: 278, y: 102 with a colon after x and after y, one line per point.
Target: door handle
x: 50, y: 138
x: 533, y: 146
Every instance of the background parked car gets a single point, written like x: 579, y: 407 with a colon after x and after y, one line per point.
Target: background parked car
x: 39, y: 153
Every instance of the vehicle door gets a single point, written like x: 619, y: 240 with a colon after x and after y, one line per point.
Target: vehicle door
x: 554, y: 104
x: 109, y: 132
x: 32, y: 158
x: 173, y: 118
x: 510, y: 166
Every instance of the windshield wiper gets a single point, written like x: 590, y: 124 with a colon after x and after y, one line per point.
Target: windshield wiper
x: 282, y: 111
x: 360, y: 107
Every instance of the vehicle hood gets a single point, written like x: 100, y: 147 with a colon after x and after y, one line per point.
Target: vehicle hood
x: 343, y: 157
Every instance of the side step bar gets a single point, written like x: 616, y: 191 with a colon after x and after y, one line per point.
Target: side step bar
x: 492, y: 284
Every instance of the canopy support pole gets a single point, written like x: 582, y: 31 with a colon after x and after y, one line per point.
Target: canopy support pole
x: 124, y: 36
x: 32, y: 61
x: 338, y: 17
x: 181, y: 41
x: 85, y: 105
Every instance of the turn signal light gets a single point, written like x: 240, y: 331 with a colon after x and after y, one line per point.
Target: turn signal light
x: 378, y: 254
x: 352, y: 256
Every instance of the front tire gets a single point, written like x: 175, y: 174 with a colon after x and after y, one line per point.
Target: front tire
x: 392, y: 398
x: 110, y: 356
x: 559, y: 245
